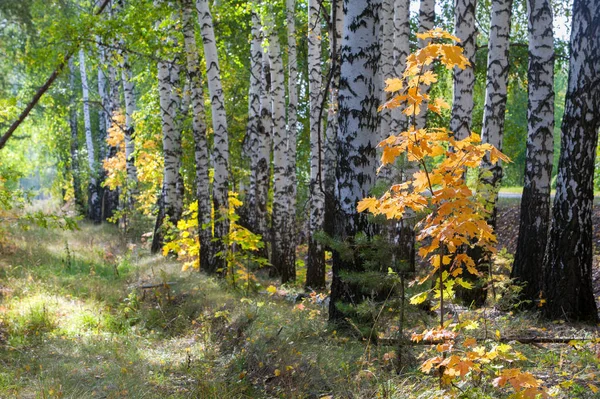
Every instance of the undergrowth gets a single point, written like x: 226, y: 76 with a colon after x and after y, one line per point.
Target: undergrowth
x: 75, y: 322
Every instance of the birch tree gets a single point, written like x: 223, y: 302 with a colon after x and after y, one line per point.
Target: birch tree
x: 171, y: 201
x: 495, y: 97
x: 535, y: 202
x: 253, y: 125
x: 94, y: 205
x: 464, y: 79
x: 199, y: 132
x: 129, y: 95
x: 386, y: 64
x: 73, y: 125
x: 568, y: 263
x: 315, y: 267
x: 426, y: 22
x: 357, y: 138
x: 330, y: 158
x: 292, y: 132
x: 220, y: 153
x: 282, y: 250
x: 263, y: 150
x: 401, y: 51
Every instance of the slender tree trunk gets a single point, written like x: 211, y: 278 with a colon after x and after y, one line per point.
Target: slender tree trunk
x: 75, y: 170
x: 131, y: 189
x: 292, y: 132
x: 401, y: 51
x: 495, y: 99
x: 568, y: 262
x: 357, y: 138
x: 111, y: 197
x: 263, y: 149
x: 330, y: 141
x: 94, y: 206
x: 169, y: 105
x: 535, y: 202
x: 103, y: 113
x: 315, y: 267
x: 199, y: 132
x: 464, y: 79
x: 386, y: 66
x: 129, y: 95
x: 282, y: 250
x: 460, y: 124
x: 253, y: 125
x: 404, y: 233
x: 426, y: 22
x: 221, y: 144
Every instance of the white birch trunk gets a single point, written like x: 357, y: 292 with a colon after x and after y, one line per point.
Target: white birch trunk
x: 292, y: 132
x: 264, y: 143
x: 316, y: 255
x: 426, y: 22
x: 129, y: 95
x: 401, y: 51
x: 360, y: 92
x: 494, y: 110
x: 386, y: 66
x: 283, y: 257
x: 535, y: 202
x: 75, y: 168
x: 253, y: 125
x: 568, y: 266
x: 464, y: 79
x: 221, y: 144
x: 330, y: 142
x: 199, y: 132
x: 94, y: 206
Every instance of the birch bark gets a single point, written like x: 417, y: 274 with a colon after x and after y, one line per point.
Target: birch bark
x: 535, y: 202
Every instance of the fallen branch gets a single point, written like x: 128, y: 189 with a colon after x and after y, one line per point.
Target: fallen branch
x: 523, y: 340
x: 148, y: 286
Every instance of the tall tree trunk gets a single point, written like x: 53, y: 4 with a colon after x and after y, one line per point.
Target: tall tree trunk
x: 130, y: 106
x: 169, y: 204
x: 94, y: 205
x: 315, y: 267
x: 357, y: 138
x: 129, y: 95
x: 386, y: 66
x: 535, y: 202
x: 282, y: 250
x: 292, y: 132
x: 460, y: 122
x: 221, y: 144
x: 403, y: 234
x: 568, y: 262
x: 330, y: 141
x: 199, y: 132
x: 401, y: 51
x: 253, y: 125
x: 464, y: 79
x: 426, y: 22
x: 263, y: 149
x: 111, y: 197
x: 75, y: 170
x: 495, y: 99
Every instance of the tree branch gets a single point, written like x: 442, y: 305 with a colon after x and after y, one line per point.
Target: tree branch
x: 42, y: 90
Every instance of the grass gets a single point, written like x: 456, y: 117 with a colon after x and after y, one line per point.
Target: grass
x: 75, y: 324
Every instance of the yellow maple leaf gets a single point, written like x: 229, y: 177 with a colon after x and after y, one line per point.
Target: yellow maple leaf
x: 393, y: 84
x: 369, y: 203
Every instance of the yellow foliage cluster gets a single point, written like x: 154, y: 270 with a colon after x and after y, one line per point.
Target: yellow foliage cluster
x: 116, y: 166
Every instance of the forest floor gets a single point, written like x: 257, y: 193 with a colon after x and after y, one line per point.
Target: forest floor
x: 87, y: 314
